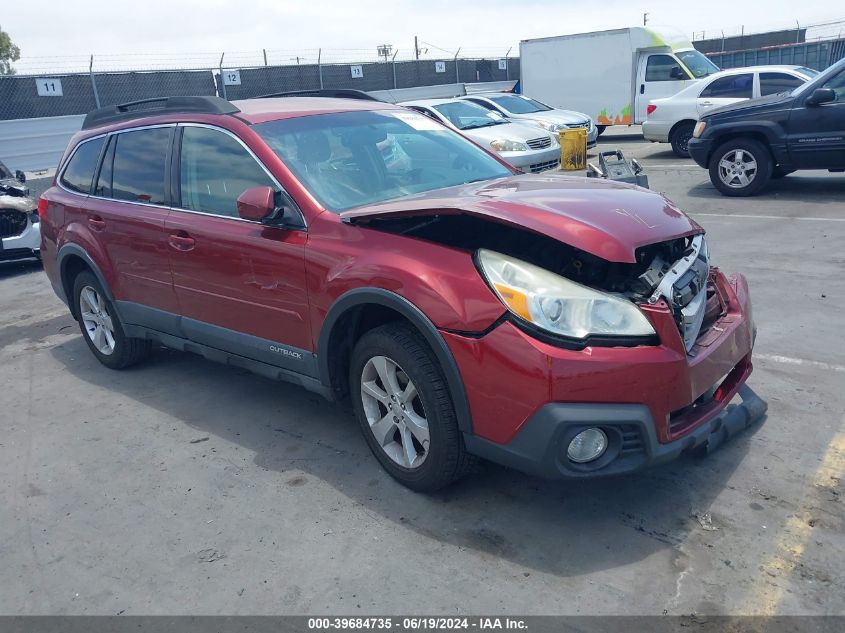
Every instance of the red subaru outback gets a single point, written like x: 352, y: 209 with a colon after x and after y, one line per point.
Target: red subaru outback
x: 563, y: 326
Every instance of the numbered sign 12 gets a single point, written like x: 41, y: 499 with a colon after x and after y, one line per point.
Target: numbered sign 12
x: 357, y: 71
x: 232, y: 77
x: 503, y: 64
x: 440, y: 67
x: 49, y: 87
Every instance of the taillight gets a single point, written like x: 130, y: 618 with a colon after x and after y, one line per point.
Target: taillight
x: 42, y: 207
x: 650, y: 108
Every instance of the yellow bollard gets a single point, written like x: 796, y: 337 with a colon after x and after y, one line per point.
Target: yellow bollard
x: 573, y: 149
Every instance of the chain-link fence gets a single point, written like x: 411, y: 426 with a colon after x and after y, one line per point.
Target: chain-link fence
x: 49, y: 95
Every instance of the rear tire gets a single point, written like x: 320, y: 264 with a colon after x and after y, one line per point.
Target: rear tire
x: 101, y: 328
x: 741, y: 167
x: 680, y: 138
x: 405, y: 410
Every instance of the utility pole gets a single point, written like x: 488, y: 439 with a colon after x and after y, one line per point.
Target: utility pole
x: 416, y: 48
x: 645, y: 19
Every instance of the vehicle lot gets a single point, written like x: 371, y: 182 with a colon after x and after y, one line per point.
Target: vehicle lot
x: 181, y: 486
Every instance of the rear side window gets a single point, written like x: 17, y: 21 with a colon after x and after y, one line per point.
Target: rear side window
x: 80, y: 170
x: 214, y: 170
x: 773, y: 83
x: 138, y: 167
x: 734, y: 86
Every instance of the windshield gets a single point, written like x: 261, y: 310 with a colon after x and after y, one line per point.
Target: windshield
x: 697, y: 63
x: 519, y: 105
x: 467, y: 116
x: 350, y: 159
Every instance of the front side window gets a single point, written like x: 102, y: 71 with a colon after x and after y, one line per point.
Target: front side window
x: 659, y: 68
x: 138, y: 168
x: 731, y: 87
x: 773, y: 83
x: 350, y: 159
x: 80, y: 170
x: 518, y: 104
x: 837, y: 84
x: 214, y: 169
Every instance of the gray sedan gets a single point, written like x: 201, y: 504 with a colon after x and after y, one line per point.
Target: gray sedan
x: 524, y: 146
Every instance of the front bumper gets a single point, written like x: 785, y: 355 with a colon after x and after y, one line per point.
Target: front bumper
x: 527, y: 397
x: 25, y: 244
x: 699, y: 150
x: 534, y: 161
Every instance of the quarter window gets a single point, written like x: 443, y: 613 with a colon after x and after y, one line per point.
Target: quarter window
x: 80, y: 170
x: 731, y: 87
x: 773, y: 83
x: 214, y: 170
x: 138, y: 171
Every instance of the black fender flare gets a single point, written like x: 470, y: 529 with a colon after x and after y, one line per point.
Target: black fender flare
x: 61, y: 263
x: 379, y: 296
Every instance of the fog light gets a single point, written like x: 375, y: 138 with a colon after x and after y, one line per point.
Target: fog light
x: 587, y: 446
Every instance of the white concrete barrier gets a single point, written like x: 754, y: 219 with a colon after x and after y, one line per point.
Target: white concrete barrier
x: 35, y: 144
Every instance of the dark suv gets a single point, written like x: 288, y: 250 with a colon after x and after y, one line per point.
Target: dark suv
x: 564, y: 326
x: 746, y: 144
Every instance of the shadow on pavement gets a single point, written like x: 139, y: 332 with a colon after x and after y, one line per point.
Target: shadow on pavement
x: 798, y: 187
x: 563, y: 528
x: 17, y: 267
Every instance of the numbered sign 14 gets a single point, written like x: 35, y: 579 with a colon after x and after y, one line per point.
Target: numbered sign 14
x: 49, y: 87
x: 440, y: 67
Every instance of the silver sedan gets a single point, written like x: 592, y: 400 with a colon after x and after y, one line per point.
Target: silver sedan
x: 524, y: 146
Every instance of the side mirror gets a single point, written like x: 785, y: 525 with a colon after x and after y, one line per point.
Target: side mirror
x: 821, y: 95
x: 257, y: 203
x: 676, y: 73
x: 20, y: 176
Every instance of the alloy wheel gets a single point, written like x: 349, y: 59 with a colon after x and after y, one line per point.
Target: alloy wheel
x: 737, y: 168
x: 96, y: 319
x: 394, y: 412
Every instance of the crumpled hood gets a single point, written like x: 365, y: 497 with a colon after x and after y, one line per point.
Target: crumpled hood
x: 608, y: 219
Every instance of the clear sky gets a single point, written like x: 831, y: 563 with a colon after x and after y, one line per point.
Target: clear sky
x: 162, y: 31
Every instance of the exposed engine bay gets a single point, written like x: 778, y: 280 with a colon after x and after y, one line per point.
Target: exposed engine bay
x: 675, y: 270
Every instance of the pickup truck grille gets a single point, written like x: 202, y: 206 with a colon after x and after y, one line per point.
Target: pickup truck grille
x: 539, y: 143
x: 12, y: 223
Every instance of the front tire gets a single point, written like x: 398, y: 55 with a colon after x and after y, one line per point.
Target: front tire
x: 405, y: 409
x: 101, y: 327
x: 680, y: 138
x: 741, y: 167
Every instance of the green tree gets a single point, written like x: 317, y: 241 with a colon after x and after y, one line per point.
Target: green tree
x: 8, y: 53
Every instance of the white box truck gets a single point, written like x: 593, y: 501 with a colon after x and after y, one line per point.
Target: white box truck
x: 610, y: 75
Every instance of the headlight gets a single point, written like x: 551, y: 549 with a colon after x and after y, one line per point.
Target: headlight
x: 508, y: 146
x: 555, y: 140
x: 558, y: 305
x: 699, y: 129
x: 548, y: 125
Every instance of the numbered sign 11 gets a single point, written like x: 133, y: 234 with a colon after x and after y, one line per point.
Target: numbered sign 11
x: 49, y: 87
x: 357, y: 71
x: 232, y: 77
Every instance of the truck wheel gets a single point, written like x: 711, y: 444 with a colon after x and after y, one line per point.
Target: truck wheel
x: 741, y: 167
x: 405, y: 410
x: 780, y: 172
x: 680, y: 137
x: 101, y: 327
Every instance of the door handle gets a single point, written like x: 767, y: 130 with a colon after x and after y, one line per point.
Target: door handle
x: 181, y: 241
x: 96, y: 223
x: 642, y: 89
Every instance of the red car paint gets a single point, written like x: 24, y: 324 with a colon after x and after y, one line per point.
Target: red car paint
x: 280, y: 284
